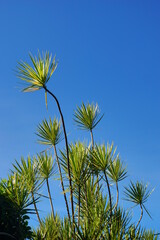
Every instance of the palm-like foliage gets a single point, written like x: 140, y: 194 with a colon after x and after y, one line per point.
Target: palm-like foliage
x: 15, y: 205
x: 149, y: 235
x: 49, y: 132
x: 49, y: 229
x: 95, y: 217
x: 101, y: 157
x: 116, y: 172
x: 78, y: 155
x: 15, y: 189
x: 94, y: 212
x: 140, y: 233
x: 66, y: 230
x: 37, y: 76
x: 87, y: 117
x: 46, y: 165
x: 120, y: 224
x: 138, y: 194
x: 28, y: 170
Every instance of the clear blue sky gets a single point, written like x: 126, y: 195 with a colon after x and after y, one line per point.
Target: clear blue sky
x: 109, y: 53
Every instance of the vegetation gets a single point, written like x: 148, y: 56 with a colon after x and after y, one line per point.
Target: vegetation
x: 86, y: 173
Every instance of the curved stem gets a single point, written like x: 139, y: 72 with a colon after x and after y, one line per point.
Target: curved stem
x: 66, y: 142
x: 110, y: 198
x: 140, y: 216
x: 36, y: 208
x: 60, y: 173
x: 49, y: 193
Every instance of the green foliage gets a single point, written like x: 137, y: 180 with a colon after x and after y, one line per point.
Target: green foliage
x: 100, y: 157
x: 49, y: 132
x: 37, y: 76
x: 28, y: 170
x: 46, y: 166
x: 87, y: 117
x: 15, y: 207
x: 138, y: 194
x: 116, y: 171
x: 78, y: 155
x: 49, y: 229
x: 86, y: 174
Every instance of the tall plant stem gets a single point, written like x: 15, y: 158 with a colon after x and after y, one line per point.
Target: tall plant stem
x: 110, y: 198
x: 49, y: 193
x: 140, y: 216
x: 36, y: 208
x: 117, y: 196
x: 92, y: 139
x: 86, y: 199
x: 66, y: 142
x: 92, y: 149
x: 60, y: 173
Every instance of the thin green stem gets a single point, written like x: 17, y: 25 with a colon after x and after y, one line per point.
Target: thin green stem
x: 61, y: 179
x: 49, y: 193
x: 36, y: 208
x: 110, y: 200
x: 140, y: 216
x: 117, y: 196
x: 92, y: 139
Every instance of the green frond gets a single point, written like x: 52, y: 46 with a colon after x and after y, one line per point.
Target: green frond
x: 94, y: 212
x: 120, y: 223
x: 49, y: 132
x: 100, y: 157
x: 138, y: 194
x: 78, y: 155
x: 46, y: 164
x: 116, y: 171
x: 87, y: 117
x: 49, y: 229
x: 15, y: 190
x: 28, y: 170
x: 36, y: 76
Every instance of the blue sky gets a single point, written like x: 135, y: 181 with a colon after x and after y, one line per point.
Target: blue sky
x: 109, y: 53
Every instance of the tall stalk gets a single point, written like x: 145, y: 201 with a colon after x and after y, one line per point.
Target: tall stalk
x: 110, y: 200
x: 66, y: 143
x: 117, y: 196
x: 79, y: 204
x: 49, y: 193
x: 140, y: 216
x: 61, y: 179
x: 92, y: 139
x: 36, y: 208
